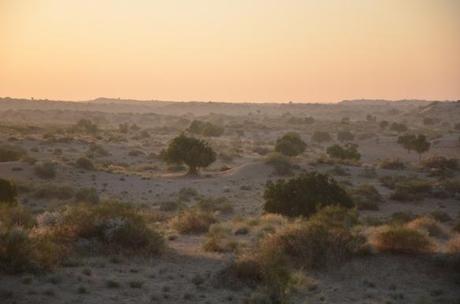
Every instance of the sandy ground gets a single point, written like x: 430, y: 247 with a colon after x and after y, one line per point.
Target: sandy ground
x: 186, y: 273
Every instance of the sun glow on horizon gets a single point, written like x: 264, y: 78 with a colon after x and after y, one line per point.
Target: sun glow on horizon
x: 230, y: 50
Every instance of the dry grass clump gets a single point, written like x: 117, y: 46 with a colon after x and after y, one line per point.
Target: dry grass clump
x: 117, y: 227
x: 324, y: 240
x: 427, y: 225
x: 193, y: 221
x: 220, y: 239
x: 402, y: 240
x: 21, y: 247
x: 213, y: 204
x: 29, y: 244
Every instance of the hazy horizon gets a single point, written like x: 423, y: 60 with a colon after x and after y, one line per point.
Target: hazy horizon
x: 230, y: 51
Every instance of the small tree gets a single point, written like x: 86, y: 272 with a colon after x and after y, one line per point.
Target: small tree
x: 290, y: 144
x: 349, y: 151
x: 8, y: 192
x: 421, y: 145
x: 417, y: 143
x: 321, y: 136
x: 190, y: 151
x: 384, y: 124
x: 304, y: 195
x: 406, y: 141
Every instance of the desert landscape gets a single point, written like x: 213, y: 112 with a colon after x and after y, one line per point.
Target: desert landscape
x: 124, y: 201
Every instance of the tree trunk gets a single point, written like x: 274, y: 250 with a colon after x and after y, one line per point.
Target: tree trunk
x: 193, y: 171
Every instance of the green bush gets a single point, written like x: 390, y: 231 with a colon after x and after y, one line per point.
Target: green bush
x: 411, y: 190
x: 304, y: 195
x: 84, y: 163
x: 8, y: 192
x: 290, y: 144
x: 11, y: 153
x: 280, y: 163
x: 349, y: 151
x: 366, y: 197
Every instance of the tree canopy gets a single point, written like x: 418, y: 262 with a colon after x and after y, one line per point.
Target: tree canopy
x: 193, y: 152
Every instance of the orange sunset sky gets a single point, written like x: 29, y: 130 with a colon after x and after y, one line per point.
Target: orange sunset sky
x: 230, y: 50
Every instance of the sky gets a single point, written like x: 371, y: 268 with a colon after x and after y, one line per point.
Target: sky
x: 230, y: 50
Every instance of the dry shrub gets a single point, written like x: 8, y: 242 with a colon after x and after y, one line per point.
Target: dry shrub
x: 402, y: 240
x: 323, y: 241
x: 453, y: 245
x: 118, y: 227
x: 428, y: 225
x: 193, y: 221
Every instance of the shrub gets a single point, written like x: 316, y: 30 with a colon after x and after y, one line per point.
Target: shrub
x: 46, y: 170
x: 21, y: 249
x: 280, y: 163
x: 392, y: 164
x: 349, y: 151
x: 50, y: 191
x: 193, y: 221
x: 87, y: 126
x: 193, y: 152
x: 398, y: 127
x: 87, y: 195
x: 211, y: 204
x: 440, y: 163
x: 321, y: 136
x: 205, y: 128
x: 366, y: 197
x: 16, y: 216
x: 11, y: 153
x: 411, y: 190
x: 116, y: 226
x: 403, y: 240
x: 8, y: 192
x: 290, y: 144
x: 451, y: 187
x: 304, y: 195
x: 84, y: 163
x: 427, y: 225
